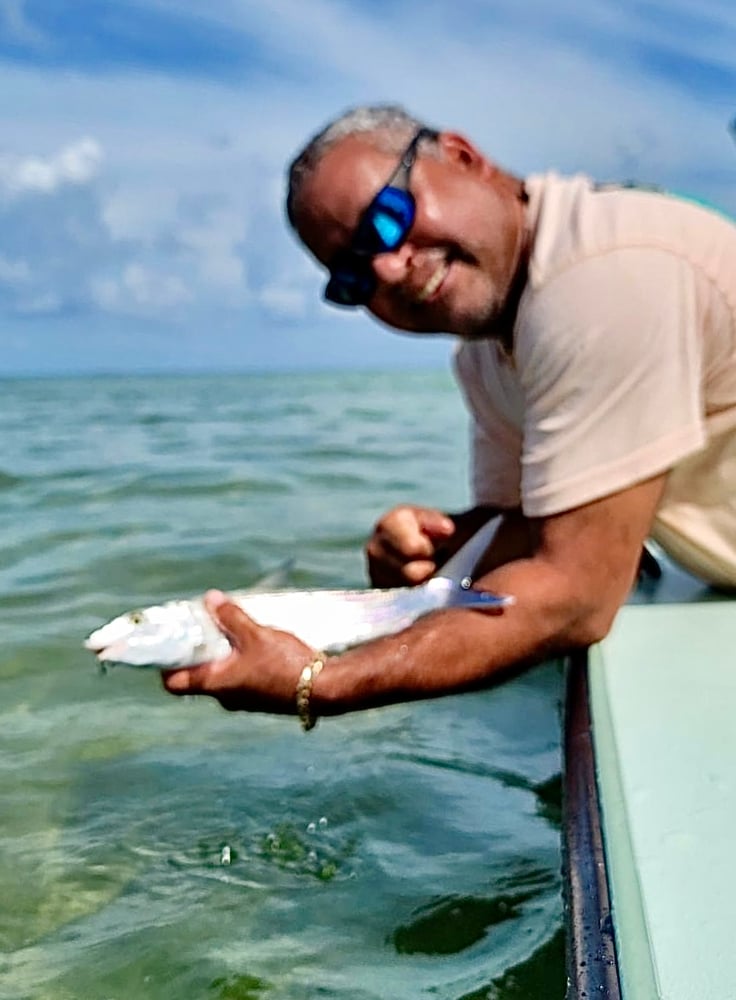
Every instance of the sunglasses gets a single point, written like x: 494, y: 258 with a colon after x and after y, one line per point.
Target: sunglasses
x: 382, y: 228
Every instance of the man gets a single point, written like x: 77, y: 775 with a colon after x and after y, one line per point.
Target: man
x: 597, y: 354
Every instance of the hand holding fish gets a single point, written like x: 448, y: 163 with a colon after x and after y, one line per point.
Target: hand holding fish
x: 403, y: 547
x: 561, y: 581
x: 256, y: 649
x: 260, y: 673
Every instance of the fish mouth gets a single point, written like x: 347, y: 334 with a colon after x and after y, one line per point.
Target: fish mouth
x: 102, y: 652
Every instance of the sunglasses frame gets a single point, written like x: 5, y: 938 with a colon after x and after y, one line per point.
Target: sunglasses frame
x: 352, y: 281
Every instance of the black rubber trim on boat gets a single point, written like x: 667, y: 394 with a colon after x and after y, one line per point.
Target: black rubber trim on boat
x: 592, y: 970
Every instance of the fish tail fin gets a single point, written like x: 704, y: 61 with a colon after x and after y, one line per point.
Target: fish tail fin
x: 482, y: 600
x: 448, y: 594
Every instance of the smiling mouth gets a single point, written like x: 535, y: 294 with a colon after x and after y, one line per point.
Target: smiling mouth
x: 434, y: 282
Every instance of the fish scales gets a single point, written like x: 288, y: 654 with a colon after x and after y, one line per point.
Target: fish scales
x: 337, y: 619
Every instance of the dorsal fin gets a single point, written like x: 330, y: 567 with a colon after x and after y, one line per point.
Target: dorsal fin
x: 460, y: 566
x: 275, y: 579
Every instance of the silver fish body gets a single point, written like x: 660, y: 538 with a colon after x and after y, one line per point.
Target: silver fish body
x: 181, y: 633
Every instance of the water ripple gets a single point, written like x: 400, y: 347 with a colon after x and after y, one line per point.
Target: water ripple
x: 155, y: 846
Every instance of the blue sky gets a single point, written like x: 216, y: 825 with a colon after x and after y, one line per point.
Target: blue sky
x: 144, y: 143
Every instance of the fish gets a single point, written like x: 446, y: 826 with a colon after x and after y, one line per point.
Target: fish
x: 181, y: 633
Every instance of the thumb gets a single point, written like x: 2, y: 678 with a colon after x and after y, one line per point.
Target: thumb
x: 230, y: 618
x: 235, y: 625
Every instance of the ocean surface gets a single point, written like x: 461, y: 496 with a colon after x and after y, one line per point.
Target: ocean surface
x: 155, y: 848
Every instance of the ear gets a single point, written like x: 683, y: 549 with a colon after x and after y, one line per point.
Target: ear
x: 462, y: 152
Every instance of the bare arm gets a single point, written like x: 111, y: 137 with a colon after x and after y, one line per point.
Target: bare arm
x: 567, y: 594
x: 567, y: 591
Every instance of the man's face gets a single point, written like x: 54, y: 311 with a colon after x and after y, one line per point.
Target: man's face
x: 453, y: 272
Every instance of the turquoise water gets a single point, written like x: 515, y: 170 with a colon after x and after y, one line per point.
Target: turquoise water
x: 152, y: 847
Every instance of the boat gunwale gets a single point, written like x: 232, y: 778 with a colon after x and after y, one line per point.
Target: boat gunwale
x: 592, y: 965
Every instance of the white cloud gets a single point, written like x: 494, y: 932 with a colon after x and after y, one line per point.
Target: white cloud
x: 139, y: 289
x: 182, y: 215
x: 148, y: 288
x: 75, y: 164
x: 43, y: 304
x: 14, y: 272
x: 285, y: 302
x: 212, y: 238
x: 75, y: 240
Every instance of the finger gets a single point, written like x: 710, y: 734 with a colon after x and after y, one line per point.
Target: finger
x: 419, y: 570
x: 435, y: 523
x: 403, y: 547
x: 190, y: 680
x: 398, y: 538
x: 390, y: 572
x: 411, y: 532
x: 204, y: 677
x: 230, y: 618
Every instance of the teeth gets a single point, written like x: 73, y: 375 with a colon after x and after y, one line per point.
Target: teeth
x: 434, y: 282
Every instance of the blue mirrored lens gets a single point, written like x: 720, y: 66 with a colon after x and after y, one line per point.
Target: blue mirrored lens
x: 397, y: 202
x: 389, y: 230
x: 384, y: 226
x: 386, y: 222
x: 350, y: 285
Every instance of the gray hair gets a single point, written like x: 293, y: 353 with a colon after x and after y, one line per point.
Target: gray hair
x: 389, y: 126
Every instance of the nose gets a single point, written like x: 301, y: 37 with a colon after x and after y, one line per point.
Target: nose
x: 391, y: 268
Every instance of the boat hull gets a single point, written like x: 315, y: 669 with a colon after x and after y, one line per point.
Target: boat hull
x: 650, y: 798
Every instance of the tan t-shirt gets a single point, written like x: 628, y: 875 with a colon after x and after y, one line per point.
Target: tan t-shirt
x: 624, y: 366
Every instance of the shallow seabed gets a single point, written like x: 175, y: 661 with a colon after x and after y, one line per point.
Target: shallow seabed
x: 152, y: 847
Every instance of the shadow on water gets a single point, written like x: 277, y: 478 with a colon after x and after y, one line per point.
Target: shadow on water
x: 239, y: 988
x: 152, y: 848
x: 549, y: 800
x: 542, y: 975
x: 450, y: 925
x: 532, y: 979
x: 548, y: 794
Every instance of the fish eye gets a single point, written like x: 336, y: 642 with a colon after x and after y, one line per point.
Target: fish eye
x: 135, y: 617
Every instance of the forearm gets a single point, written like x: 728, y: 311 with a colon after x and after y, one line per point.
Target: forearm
x: 566, y: 595
x: 459, y: 649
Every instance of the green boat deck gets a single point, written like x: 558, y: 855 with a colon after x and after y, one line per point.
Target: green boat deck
x: 663, y: 712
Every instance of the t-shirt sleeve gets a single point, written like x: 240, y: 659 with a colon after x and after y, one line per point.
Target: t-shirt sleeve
x: 609, y: 360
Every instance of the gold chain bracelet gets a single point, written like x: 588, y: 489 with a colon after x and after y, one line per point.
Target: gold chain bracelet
x: 304, y: 690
